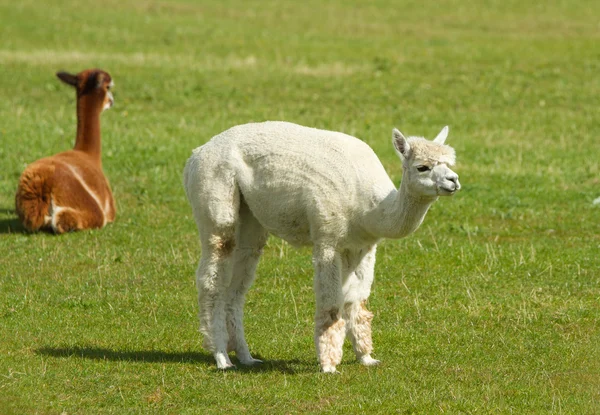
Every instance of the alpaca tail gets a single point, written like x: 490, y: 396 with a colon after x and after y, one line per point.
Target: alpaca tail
x: 33, y: 197
x: 191, y: 173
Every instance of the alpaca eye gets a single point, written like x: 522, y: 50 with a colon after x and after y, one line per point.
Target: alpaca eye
x: 423, y: 168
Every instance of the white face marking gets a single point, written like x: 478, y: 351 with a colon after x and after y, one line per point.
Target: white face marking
x: 109, y: 96
x: 109, y: 101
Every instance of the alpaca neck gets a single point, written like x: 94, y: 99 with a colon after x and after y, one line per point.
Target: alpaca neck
x: 400, y: 213
x: 88, y: 127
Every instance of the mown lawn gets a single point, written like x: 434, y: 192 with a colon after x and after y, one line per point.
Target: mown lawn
x: 492, y: 306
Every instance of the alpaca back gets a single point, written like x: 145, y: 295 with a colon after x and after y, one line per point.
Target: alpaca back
x: 283, y: 154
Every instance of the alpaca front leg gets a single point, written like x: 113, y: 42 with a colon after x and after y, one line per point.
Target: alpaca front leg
x: 212, y: 279
x: 358, y: 323
x: 358, y: 319
x: 329, y: 325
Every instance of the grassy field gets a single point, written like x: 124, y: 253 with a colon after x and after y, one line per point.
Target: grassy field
x: 492, y: 306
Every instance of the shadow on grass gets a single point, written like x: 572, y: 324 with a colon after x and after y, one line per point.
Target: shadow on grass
x: 11, y: 225
x: 156, y: 356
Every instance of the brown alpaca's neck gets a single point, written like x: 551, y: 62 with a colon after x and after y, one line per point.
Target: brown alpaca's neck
x: 88, y: 127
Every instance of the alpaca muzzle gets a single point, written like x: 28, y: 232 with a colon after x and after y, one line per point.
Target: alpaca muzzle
x: 451, y: 185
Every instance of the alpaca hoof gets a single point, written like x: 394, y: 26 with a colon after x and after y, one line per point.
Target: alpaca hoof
x: 369, y: 361
x: 251, y: 362
x: 329, y: 369
x: 223, y: 361
x: 228, y: 367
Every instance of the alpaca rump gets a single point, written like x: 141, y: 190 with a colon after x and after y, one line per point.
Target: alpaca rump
x: 69, y: 191
x: 309, y: 187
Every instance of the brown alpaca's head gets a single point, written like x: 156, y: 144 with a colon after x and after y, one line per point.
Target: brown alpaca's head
x: 94, y: 84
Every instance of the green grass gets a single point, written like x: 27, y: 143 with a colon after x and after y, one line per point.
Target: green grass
x: 492, y: 306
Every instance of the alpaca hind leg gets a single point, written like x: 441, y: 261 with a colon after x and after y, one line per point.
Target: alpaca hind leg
x: 73, y: 206
x: 250, y: 240
x: 215, y: 199
x: 358, y: 319
x: 329, y: 325
x: 212, y: 280
x: 215, y: 203
x: 67, y: 219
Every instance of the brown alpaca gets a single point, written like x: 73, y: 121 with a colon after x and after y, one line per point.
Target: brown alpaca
x: 68, y: 191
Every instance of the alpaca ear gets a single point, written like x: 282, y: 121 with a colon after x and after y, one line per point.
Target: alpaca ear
x: 100, y: 78
x: 400, y: 144
x: 441, y: 137
x: 67, y: 78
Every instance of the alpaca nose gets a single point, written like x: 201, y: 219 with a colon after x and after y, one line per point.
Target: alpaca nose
x: 454, y: 179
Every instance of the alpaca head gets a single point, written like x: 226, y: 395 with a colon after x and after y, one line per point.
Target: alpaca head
x: 426, y: 164
x: 93, y: 84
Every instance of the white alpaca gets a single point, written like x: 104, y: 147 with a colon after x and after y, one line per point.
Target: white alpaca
x: 308, y: 187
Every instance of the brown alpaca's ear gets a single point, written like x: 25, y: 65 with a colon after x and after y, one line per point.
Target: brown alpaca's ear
x: 67, y: 78
x: 100, y: 78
